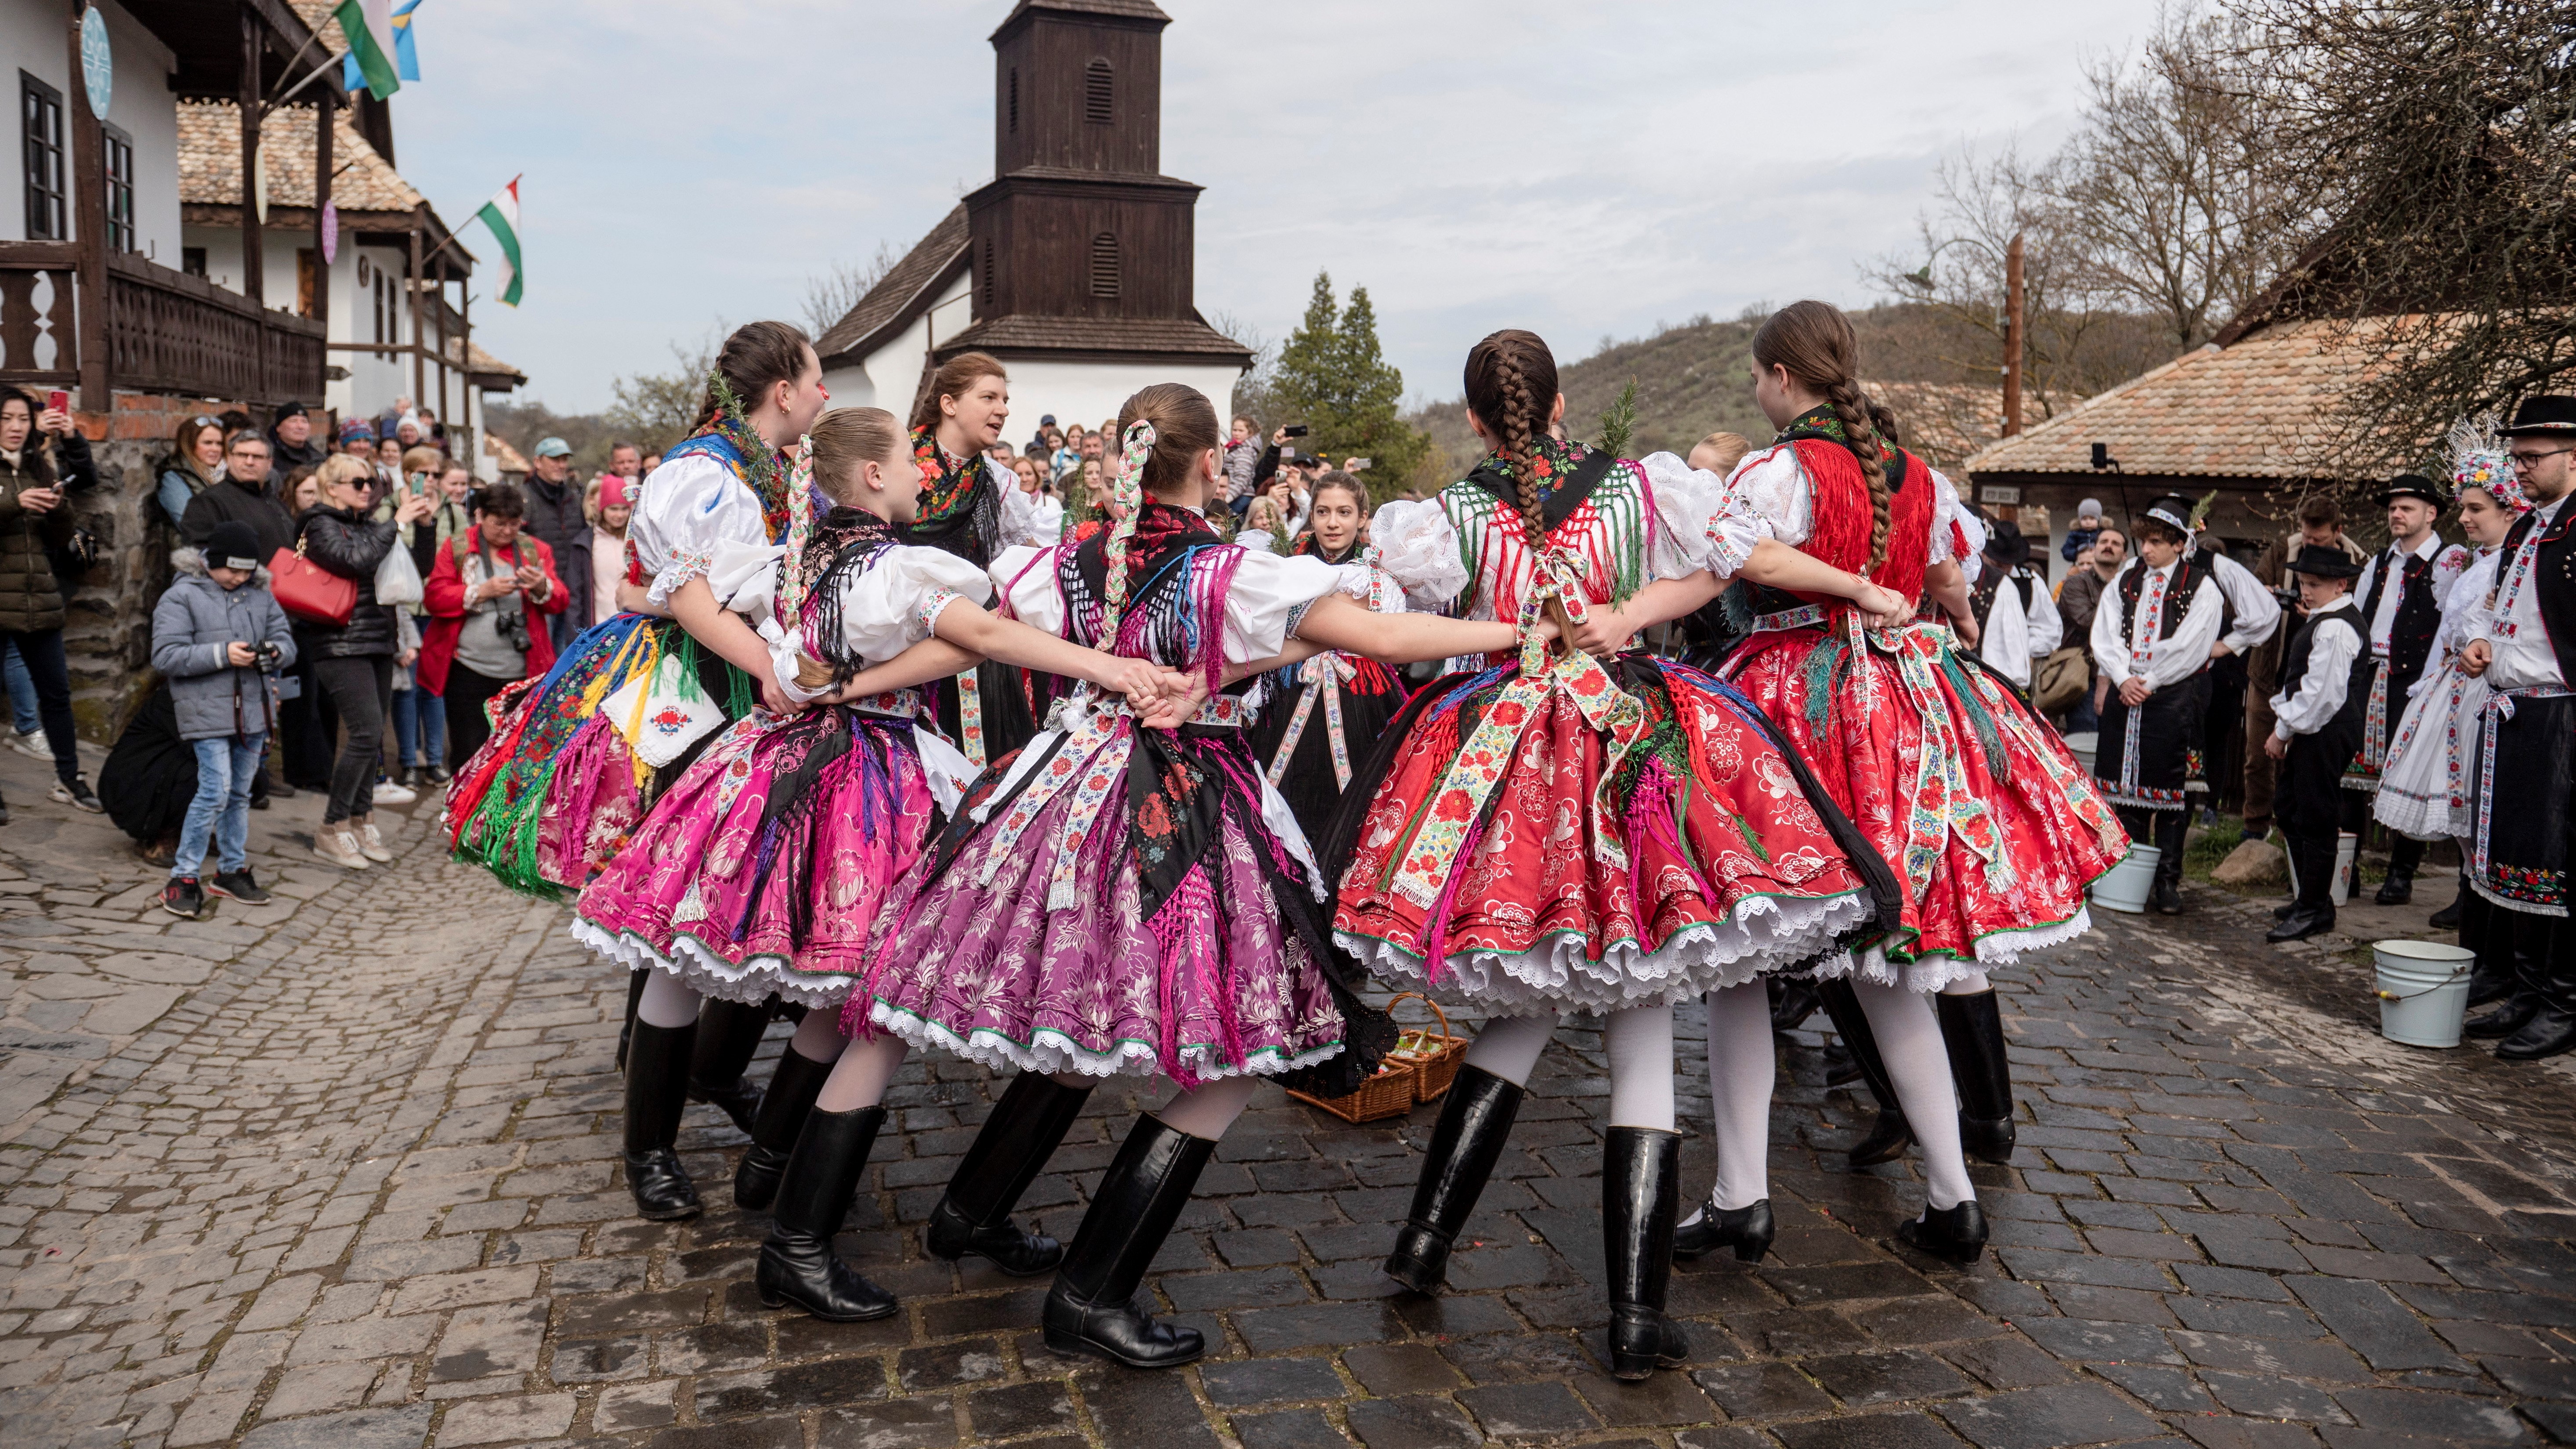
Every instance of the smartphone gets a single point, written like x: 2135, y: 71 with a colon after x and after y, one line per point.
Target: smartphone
x: 1295, y: 430
x: 58, y: 401
x: 1361, y: 465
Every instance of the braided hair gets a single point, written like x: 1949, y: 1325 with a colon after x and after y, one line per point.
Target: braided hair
x: 1511, y: 388
x: 757, y: 355
x: 1815, y: 342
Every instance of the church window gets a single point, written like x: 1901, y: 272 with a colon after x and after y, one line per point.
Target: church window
x: 1015, y: 100
x: 1104, y: 265
x: 988, y: 271
x: 1097, y: 89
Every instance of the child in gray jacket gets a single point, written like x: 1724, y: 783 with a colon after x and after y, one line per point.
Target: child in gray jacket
x: 219, y: 637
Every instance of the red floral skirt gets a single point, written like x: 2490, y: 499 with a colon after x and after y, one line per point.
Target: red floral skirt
x: 1989, y: 822
x: 1729, y: 868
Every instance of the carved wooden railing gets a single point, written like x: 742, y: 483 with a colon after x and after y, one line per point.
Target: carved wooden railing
x: 39, y: 343
x: 166, y: 331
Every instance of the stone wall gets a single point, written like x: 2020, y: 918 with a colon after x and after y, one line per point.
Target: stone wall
x: 108, y: 634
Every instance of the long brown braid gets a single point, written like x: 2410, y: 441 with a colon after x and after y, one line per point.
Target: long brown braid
x: 1815, y: 342
x: 1511, y: 385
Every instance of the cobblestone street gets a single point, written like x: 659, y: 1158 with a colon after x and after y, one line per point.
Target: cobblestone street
x: 342, y: 1172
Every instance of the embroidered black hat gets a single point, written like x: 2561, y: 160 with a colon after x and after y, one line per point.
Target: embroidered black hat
x: 2006, y: 545
x: 2173, y: 509
x: 2543, y: 414
x: 2415, y: 485
x: 2324, y: 561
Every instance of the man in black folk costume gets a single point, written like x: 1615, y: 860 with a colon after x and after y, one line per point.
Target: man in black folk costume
x: 2151, y: 640
x: 2401, y: 593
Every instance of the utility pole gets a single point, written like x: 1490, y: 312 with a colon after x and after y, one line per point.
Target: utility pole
x: 2012, y: 338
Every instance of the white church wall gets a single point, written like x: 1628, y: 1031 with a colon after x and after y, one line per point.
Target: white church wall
x: 888, y: 377
x: 1089, y: 393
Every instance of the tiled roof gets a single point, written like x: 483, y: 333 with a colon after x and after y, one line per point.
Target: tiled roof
x: 1943, y: 421
x: 2234, y: 412
x: 1020, y: 332
x: 503, y: 456
x: 317, y: 13
x: 1133, y: 9
x: 480, y: 363
x: 210, y: 160
x: 894, y: 294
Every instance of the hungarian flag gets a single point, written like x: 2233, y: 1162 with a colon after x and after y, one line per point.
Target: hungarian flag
x: 501, y: 214
x: 368, y: 26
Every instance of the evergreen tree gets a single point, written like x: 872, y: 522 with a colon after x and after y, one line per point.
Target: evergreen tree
x: 1334, y: 377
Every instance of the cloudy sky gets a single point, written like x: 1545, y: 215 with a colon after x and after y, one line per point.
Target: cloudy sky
x: 1583, y: 170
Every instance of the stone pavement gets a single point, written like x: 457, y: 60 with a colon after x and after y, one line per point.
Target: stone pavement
x: 343, y: 1172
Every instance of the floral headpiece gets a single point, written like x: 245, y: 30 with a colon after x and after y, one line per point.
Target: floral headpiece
x: 2478, y: 461
x: 1126, y: 495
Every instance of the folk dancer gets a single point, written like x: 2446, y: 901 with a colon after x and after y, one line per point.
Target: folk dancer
x: 2017, y: 621
x: 2524, y: 646
x: 2151, y: 641
x: 1318, y: 729
x: 2318, y: 720
x: 2401, y: 593
x: 1608, y: 831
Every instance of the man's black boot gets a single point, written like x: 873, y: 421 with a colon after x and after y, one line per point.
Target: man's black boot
x: 2552, y: 1029
x: 2404, y: 856
x: 2527, y: 940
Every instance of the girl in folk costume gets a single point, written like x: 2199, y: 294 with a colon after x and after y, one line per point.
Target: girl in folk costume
x: 1313, y: 730
x: 1992, y: 829
x: 974, y: 509
x: 1606, y: 832
x: 2425, y: 782
x: 2401, y: 593
x: 1126, y: 900
x: 2152, y: 639
x: 761, y: 870
x: 575, y: 756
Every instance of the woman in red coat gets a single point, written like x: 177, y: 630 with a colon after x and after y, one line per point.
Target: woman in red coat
x: 482, y: 594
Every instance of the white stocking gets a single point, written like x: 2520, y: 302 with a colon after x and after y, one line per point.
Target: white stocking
x: 1206, y: 1111
x: 1918, y: 1064
x: 1741, y: 1072
x: 818, y: 1037
x: 1508, y: 1047
x: 1640, y: 1045
x: 1968, y: 985
x: 859, y: 1079
x: 667, y: 1003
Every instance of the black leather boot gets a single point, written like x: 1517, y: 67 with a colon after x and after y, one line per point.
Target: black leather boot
x: 797, y: 1264
x: 1890, y: 1135
x: 657, y: 1092
x: 634, y: 998
x: 1019, y: 1134
x: 2173, y: 827
x: 2482, y: 931
x: 793, y: 1086
x: 1972, y: 1027
x: 2313, y: 912
x: 1794, y: 1002
x: 2552, y: 1028
x: 2404, y: 856
x: 1640, y: 1201
x: 2455, y: 915
x: 1956, y: 1233
x: 2525, y: 941
x: 1475, y: 1122
x: 1748, y: 1230
x: 1092, y: 1308
x: 728, y: 1037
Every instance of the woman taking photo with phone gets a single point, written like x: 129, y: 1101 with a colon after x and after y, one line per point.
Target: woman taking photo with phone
x: 43, y: 460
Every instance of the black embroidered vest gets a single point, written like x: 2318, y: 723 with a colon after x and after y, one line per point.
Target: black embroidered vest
x: 2418, y: 619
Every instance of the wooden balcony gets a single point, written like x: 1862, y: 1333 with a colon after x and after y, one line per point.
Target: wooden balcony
x: 164, y: 331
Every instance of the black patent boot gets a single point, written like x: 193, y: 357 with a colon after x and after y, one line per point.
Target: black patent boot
x: 1019, y: 1134
x: 2551, y: 1029
x: 1792, y: 1002
x: 1890, y: 1135
x: 1092, y: 1308
x: 728, y: 1037
x: 1475, y: 1122
x: 797, y: 1264
x: 793, y: 1086
x: 634, y: 998
x: 2312, y: 912
x: 1955, y: 1233
x: 1748, y: 1230
x: 657, y: 1092
x: 2173, y: 827
x: 2481, y: 931
x: 1641, y: 1197
x: 1972, y: 1027
x: 2523, y: 940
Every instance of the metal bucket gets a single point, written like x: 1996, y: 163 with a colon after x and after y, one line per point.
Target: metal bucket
x: 2124, y: 886
x: 2423, y: 991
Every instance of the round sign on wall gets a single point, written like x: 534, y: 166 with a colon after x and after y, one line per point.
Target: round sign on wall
x: 330, y: 232
x: 98, y: 65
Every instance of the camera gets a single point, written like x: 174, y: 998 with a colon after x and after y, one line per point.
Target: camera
x: 513, y: 627
x: 265, y: 656
x: 1295, y: 430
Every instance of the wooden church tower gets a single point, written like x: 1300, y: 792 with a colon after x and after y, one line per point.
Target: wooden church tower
x: 1074, y: 264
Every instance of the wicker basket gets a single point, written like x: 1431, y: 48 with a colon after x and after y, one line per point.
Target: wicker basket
x: 1433, y: 1055
x: 1420, y: 1068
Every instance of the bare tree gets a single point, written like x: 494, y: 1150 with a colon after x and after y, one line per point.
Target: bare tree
x: 830, y: 295
x: 2169, y: 200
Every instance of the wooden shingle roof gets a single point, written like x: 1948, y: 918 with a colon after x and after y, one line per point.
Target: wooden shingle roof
x: 2251, y: 410
x: 1122, y: 335
x: 210, y: 160
x: 892, y: 299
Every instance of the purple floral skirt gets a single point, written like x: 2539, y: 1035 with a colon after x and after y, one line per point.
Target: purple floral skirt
x: 765, y: 867
x: 1212, y: 983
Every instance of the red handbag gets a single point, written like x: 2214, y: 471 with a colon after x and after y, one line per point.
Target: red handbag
x: 309, y: 591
